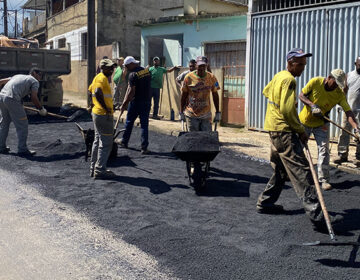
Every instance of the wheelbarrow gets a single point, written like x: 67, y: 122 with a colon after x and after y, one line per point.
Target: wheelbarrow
x: 197, y: 149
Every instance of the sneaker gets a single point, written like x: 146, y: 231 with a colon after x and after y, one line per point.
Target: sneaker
x: 320, y: 226
x: 340, y: 159
x: 6, y: 150
x: 107, y: 174
x: 270, y: 209
x: 121, y: 143
x: 91, y: 173
x: 27, y: 153
x: 156, y: 117
x: 145, y: 151
x: 326, y: 186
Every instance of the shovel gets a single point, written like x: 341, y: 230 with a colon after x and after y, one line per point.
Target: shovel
x: 333, y: 239
x: 68, y: 119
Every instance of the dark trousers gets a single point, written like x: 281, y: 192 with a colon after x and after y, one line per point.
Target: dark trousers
x: 155, y: 95
x: 142, y: 111
x: 288, y: 161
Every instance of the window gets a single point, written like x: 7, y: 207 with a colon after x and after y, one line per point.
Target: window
x: 84, y: 45
x: 61, y: 43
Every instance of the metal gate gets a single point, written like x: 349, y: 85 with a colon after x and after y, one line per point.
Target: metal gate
x: 230, y: 56
x: 331, y: 33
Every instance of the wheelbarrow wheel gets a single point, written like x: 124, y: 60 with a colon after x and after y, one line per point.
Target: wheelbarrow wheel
x: 198, y: 177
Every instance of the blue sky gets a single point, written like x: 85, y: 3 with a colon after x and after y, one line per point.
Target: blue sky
x: 12, y: 5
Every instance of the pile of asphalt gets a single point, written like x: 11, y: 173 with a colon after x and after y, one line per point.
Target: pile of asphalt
x: 215, y: 235
x: 199, y: 141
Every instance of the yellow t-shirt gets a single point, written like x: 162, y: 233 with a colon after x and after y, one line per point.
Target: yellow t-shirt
x: 281, y: 113
x: 102, y: 82
x: 199, y: 90
x: 326, y: 100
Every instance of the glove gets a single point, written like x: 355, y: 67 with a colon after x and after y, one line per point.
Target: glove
x: 316, y: 111
x: 43, y: 112
x: 357, y: 133
x: 217, y: 117
x: 117, y: 106
x: 182, y: 116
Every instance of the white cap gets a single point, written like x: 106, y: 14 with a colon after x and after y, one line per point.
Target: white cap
x: 130, y: 59
x: 339, y: 76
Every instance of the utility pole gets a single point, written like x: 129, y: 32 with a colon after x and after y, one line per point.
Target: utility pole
x: 91, y: 51
x: 5, y: 18
x: 16, y: 24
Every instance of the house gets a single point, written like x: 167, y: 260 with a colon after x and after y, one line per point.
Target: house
x: 116, y: 33
x: 328, y: 29
x: 215, y: 28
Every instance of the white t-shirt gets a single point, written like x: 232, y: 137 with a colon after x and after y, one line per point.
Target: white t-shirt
x: 19, y: 86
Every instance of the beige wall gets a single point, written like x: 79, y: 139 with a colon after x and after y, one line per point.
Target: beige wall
x: 210, y: 7
x: 76, y: 81
x: 72, y: 18
x: 172, y: 92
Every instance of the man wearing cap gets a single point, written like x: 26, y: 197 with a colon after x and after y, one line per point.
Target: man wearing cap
x: 119, y: 83
x: 320, y: 95
x: 353, y: 98
x: 137, y: 101
x: 12, y: 110
x: 192, y: 67
x: 102, y: 115
x: 287, y: 137
x: 157, y: 75
x: 195, y: 99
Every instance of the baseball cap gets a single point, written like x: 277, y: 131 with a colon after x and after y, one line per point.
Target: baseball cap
x: 296, y: 52
x: 201, y: 60
x: 156, y: 58
x: 120, y: 58
x: 130, y: 59
x: 339, y: 76
x: 106, y: 62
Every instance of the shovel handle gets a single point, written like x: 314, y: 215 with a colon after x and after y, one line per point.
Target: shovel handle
x: 339, y: 126
x: 48, y: 113
x: 319, y: 193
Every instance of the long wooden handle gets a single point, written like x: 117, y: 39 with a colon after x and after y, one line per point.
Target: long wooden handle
x: 319, y: 193
x: 343, y: 128
x: 48, y: 113
x: 118, y: 120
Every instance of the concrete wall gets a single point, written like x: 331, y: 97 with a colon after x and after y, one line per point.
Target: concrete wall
x: 172, y: 52
x: 193, y: 7
x: 195, y: 34
x: 170, y: 94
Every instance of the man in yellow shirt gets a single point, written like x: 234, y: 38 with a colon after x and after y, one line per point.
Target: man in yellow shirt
x: 320, y: 95
x: 102, y: 114
x: 287, y: 137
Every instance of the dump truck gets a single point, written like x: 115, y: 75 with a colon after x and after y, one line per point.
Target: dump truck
x: 19, y: 60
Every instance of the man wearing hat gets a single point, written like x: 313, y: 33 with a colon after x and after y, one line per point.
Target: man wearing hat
x: 137, y: 101
x: 320, y: 95
x: 102, y: 115
x: 157, y: 75
x: 12, y: 110
x: 353, y: 97
x: 287, y: 137
x: 195, y: 98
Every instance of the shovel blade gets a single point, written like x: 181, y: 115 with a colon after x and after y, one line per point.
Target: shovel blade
x: 331, y: 243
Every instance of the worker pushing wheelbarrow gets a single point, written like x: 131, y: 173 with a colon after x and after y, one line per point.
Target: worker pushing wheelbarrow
x: 197, y: 149
x: 200, y: 145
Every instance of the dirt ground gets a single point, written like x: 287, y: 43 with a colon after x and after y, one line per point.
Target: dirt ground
x: 150, y: 206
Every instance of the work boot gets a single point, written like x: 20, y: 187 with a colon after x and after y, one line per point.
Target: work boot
x: 340, y: 159
x: 156, y: 117
x: 326, y: 186
x: 5, y: 151
x: 121, y: 143
x: 145, y: 151
x: 91, y: 173
x: 104, y: 175
x: 27, y: 153
x: 320, y: 226
x: 270, y: 209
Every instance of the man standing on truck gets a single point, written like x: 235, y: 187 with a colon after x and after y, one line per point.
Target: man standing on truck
x: 102, y: 115
x: 12, y: 110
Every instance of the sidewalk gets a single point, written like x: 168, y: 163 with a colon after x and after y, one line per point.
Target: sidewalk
x: 251, y: 143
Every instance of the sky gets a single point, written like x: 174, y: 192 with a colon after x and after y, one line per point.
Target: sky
x: 11, y: 5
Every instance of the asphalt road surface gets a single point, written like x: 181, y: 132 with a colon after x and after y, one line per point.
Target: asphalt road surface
x: 58, y: 223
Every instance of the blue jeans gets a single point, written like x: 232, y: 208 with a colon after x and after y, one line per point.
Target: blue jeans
x: 142, y: 111
x: 155, y: 94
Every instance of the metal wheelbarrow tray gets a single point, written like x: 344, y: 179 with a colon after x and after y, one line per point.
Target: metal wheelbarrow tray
x: 197, y: 146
